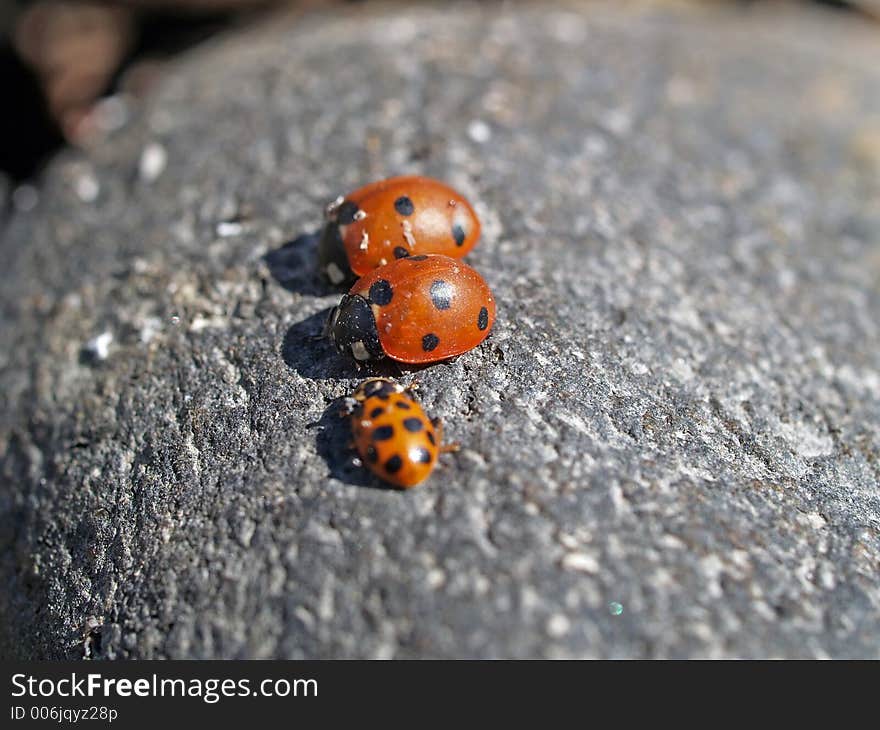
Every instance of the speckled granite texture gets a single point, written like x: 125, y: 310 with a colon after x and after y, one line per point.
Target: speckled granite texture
x: 678, y: 410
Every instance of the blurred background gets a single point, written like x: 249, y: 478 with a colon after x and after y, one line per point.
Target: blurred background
x: 71, y: 68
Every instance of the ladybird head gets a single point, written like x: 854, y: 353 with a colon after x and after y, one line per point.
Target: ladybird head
x: 376, y: 387
x: 352, y: 329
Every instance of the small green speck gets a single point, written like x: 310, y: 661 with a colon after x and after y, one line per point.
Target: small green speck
x: 615, y: 608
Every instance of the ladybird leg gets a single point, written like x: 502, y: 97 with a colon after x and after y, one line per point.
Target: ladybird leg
x: 438, y: 431
x: 412, y: 387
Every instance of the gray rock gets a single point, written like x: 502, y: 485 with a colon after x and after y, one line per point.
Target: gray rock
x: 671, y: 442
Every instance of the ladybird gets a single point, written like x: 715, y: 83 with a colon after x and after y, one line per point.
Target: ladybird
x: 392, y: 434
x: 393, y: 219
x: 416, y: 310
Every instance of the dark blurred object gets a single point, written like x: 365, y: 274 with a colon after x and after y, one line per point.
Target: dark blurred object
x: 58, y: 57
x: 28, y: 135
x: 62, y: 56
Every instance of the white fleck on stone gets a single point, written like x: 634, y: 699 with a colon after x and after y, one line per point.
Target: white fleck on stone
x: 111, y: 113
x: 436, y: 578
x: 305, y: 617
x: 149, y: 329
x: 154, y: 158
x: 246, y: 532
x: 99, y: 346
x: 814, y: 520
x: 479, y: 131
x: 558, y: 625
x: 87, y: 188
x: 806, y: 440
x: 580, y: 562
x: 228, y: 228
x: 617, y: 121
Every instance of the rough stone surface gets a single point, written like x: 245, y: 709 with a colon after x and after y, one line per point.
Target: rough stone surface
x: 678, y: 410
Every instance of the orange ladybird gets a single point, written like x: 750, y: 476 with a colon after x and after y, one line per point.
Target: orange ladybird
x: 392, y: 434
x: 392, y: 219
x: 416, y: 310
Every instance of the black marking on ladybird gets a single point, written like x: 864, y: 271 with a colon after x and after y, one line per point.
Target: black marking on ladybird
x: 431, y: 438
x: 441, y: 294
x: 458, y: 234
x: 372, y: 454
x: 483, y: 318
x: 383, y: 433
x: 346, y: 212
x: 420, y: 257
x: 400, y: 252
x: 404, y: 205
x: 413, y: 425
x: 420, y: 455
x: 392, y: 466
x: 381, y: 293
x: 377, y: 411
x: 430, y: 342
x: 380, y: 387
x: 402, y: 404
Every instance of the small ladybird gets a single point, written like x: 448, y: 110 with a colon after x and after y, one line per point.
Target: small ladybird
x: 392, y: 434
x: 415, y: 310
x: 393, y: 219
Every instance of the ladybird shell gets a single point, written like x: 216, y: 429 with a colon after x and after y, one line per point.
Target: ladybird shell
x: 392, y: 434
x: 427, y: 308
x: 397, y: 218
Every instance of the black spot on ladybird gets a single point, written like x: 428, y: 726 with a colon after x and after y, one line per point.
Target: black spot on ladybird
x: 420, y: 455
x: 376, y: 412
x: 392, y: 466
x: 430, y: 341
x: 458, y: 234
x: 403, y: 405
x: 483, y: 318
x: 346, y: 212
x: 381, y: 293
x: 372, y: 454
x: 383, y: 433
x: 441, y: 294
x: 414, y: 425
x: 400, y: 252
x: 431, y: 438
x: 404, y: 205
